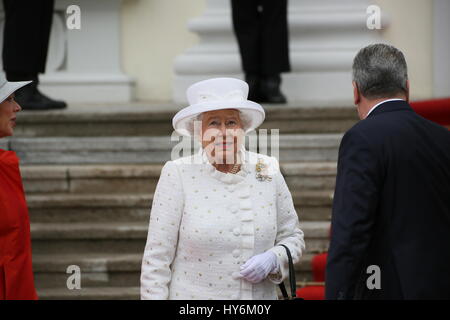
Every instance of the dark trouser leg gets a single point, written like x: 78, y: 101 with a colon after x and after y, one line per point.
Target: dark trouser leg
x: 47, y: 18
x: 274, y: 38
x: 25, y: 48
x: 26, y: 37
x: 246, y: 25
x: 274, y: 50
x: 263, y: 44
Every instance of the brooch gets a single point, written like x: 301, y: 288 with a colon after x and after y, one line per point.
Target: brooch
x: 262, y: 171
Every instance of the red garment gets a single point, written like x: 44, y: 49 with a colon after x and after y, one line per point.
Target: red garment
x: 16, y: 272
x: 437, y: 110
x: 319, y: 264
x: 311, y: 293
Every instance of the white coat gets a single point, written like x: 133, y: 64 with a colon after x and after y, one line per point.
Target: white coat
x: 205, y: 224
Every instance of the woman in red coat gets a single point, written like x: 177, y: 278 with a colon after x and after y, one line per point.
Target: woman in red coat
x: 16, y: 273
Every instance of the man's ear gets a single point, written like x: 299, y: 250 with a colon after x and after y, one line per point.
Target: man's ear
x: 407, y: 91
x: 356, y: 94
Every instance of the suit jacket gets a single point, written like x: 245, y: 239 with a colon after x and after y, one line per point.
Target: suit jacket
x: 204, y: 224
x: 16, y: 274
x: 391, y: 208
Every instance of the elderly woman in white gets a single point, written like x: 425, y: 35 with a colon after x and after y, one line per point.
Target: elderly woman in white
x: 218, y: 217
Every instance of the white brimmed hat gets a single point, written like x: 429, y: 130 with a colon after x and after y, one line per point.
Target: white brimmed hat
x: 218, y: 94
x: 7, y: 88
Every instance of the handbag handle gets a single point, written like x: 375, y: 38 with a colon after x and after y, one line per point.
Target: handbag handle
x: 292, y: 281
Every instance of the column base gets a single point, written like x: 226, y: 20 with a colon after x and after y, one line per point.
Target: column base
x: 88, y: 88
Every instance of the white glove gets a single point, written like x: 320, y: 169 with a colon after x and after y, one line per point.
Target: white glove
x: 258, y: 267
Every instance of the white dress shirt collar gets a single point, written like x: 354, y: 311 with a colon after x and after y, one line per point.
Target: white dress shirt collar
x: 373, y: 108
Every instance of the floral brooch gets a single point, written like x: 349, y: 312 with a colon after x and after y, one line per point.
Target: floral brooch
x: 262, y: 171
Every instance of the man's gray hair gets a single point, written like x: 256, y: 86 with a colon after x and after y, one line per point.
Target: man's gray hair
x: 380, y: 71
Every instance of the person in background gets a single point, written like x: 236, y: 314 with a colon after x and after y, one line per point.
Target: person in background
x: 16, y: 274
x: 25, y: 46
x: 261, y: 29
x: 390, y: 228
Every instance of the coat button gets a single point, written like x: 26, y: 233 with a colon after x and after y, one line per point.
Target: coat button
x: 236, y: 253
x: 236, y: 231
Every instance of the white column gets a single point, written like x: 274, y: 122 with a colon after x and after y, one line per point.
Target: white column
x: 324, y: 37
x: 84, y: 65
x: 215, y: 55
x: 441, y: 48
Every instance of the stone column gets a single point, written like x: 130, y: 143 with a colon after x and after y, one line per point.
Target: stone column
x: 324, y: 37
x: 441, y: 48
x: 84, y: 65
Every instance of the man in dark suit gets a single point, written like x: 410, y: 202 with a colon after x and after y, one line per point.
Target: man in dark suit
x: 25, y: 47
x: 261, y: 28
x: 391, y: 213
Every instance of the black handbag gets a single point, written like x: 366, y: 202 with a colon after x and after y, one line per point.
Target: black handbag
x: 292, y: 281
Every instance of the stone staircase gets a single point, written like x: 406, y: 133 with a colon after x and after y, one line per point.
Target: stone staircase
x: 90, y: 173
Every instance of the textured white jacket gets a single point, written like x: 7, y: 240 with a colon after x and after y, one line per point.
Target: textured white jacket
x: 205, y: 224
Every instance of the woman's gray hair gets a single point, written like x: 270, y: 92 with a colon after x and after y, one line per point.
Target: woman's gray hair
x: 380, y: 71
x: 245, y: 120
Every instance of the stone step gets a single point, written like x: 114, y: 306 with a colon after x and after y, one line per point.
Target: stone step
x: 67, y: 208
x: 117, y: 238
x: 308, y: 176
x: 90, y: 293
x: 90, y: 179
x: 104, y: 293
x: 141, y: 178
x: 148, y: 119
x: 97, y: 270
x: 109, y: 270
x: 114, y: 150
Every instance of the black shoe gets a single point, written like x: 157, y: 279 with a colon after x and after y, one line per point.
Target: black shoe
x: 253, y: 87
x: 30, y: 98
x: 269, y: 89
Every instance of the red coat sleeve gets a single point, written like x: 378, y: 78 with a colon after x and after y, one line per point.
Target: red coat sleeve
x: 16, y: 272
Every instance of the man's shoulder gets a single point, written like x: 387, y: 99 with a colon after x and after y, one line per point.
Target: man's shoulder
x: 369, y: 132
x: 362, y: 128
x: 397, y: 129
x: 377, y: 125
